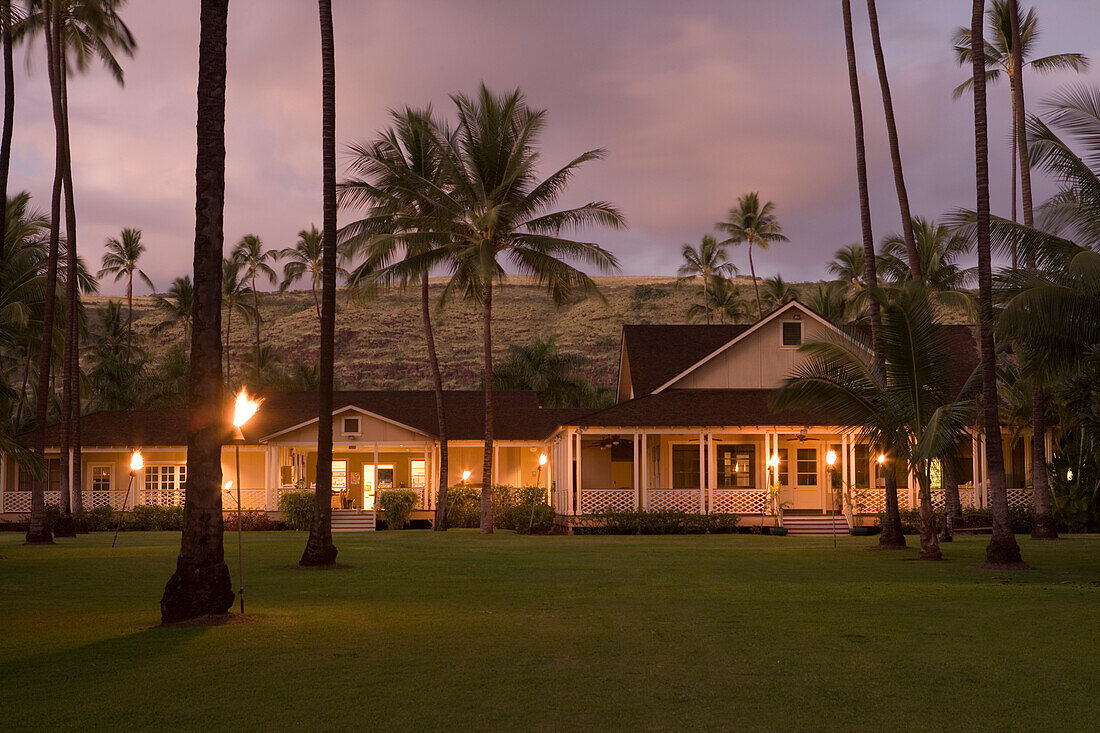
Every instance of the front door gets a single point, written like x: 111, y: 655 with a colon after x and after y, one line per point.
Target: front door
x: 803, y: 489
x: 371, y: 486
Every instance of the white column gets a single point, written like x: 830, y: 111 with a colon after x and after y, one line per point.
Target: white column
x: 570, y: 473
x: 985, y: 472
x: 643, y: 470
x: 374, y: 485
x: 844, y: 483
x: 580, y: 474
x: 702, y: 473
x: 637, y: 481
x: 712, y: 471
x: 4, y: 478
x: 427, y: 487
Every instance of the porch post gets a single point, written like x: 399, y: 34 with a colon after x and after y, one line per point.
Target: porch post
x: 269, y: 474
x: 712, y: 471
x: 580, y: 474
x: 1048, y: 445
x: 570, y: 473
x: 4, y: 479
x: 985, y: 472
x: 637, y: 483
x: 843, y: 472
x: 643, y: 470
x: 702, y: 473
x: 374, y: 483
x: 426, y: 488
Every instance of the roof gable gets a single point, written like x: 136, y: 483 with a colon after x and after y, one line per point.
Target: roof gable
x: 657, y: 352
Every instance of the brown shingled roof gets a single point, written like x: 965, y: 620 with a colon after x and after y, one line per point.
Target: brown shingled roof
x: 682, y: 408
x: 657, y: 353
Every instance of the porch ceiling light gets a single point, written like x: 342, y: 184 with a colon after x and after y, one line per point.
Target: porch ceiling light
x: 830, y: 458
x: 137, y: 462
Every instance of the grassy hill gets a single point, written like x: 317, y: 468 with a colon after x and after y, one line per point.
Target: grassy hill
x: 379, y: 344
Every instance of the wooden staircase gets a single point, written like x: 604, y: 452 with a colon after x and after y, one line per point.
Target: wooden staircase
x: 352, y: 520
x: 815, y: 525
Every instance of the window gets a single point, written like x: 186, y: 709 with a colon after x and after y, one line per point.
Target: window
x: 101, y: 477
x: 416, y: 469
x: 351, y: 426
x: 736, y: 466
x: 165, y: 477
x: 685, y: 466
x: 792, y: 333
x: 806, y: 467
x: 863, y: 467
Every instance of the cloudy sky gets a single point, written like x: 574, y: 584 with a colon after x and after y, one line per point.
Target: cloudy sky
x: 697, y: 102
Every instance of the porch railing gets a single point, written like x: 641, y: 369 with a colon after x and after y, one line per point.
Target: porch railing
x: 607, y: 500
x: 19, y: 502
x: 674, y: 500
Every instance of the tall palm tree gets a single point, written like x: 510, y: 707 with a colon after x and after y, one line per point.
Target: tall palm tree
x: 750, y: 222
x: 254, y: 259
x: 892, y: 534
x: 828, y: 301
x: 235, y: 289
x: 777, y: 292
x: 847, y: 266
x: 201, y: 584
x: 305, y: 259
x: 939, y: 250
x: 395, y: 175
x: 895, y: 150
x: 121, y: 260
x: 723, y: 298
x: 496, y: 209
x: 705, y: 262
x: 541, y: 367
x: 6, y: 19
x: 319, y: 547
x: 176, y: 306
x: 1003, y: 549
x: 907, y: 409
x: 999, y: 51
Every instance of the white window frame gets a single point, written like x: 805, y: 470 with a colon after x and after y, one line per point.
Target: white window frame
x: 358, y: 425
x: 178, y: 468
x: 110, y: 475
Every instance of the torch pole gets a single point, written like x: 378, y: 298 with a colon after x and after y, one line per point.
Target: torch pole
x: 240, y: 550
x: 832, y: 498
x: 125, y: 499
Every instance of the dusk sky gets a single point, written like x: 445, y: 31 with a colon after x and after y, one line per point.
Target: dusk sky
x: 696, y: 102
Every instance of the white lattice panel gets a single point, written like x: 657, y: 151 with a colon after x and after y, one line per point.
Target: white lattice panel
x: 605, y: 500
x: 739, y: 501
x: 674, y: 500
x: 966, y: 498
x: 17, y: 501
x: 250, y: 499
x: 1020, y: 498
x: 874, y: 500
x: 94, y: 499
x: 163, y: 497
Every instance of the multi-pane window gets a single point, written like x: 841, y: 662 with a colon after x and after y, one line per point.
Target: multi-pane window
x: 736, y: 466
x: 416, y: 469
x: 165, y: 477
x: 792, y: 333
x: 101, y: 478
x: 806, y: 467
x: 685, y: 466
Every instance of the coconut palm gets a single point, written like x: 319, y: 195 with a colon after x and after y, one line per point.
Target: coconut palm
x: 304, y: 259
x: 121, y: 260
x: 201, y: 585
x: 892, y: 535
x: 828, y: 301
x: 1003, y: 549
x: 907, y: 409
x: 724, y: 298
x: 235, y: 291
x: 496, y: 210
x: 847, y: 266
x: 7, y: 17
x: 777, y: 292
x: 706, y: 262
x: 176, y: 305
x: 895, y: 150
x: 320, y: 549
x: 750, y: 222
x: 541, y: 367
x: 998, y: 51
x: 939, y: 250
x: 395, y: 176
x: 255, y: 260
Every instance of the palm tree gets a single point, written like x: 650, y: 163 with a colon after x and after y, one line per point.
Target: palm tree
x: 6, y: 20
x: 319, y: 547
x: 828, y: 301
x: 892, y: 534
x: 999, y: 51
x: 723, y: 298
x: 895, y: 150
x: 121, y: 260
x: 777, y: 292
x: 395, y: 175
x: 234, y: 289
x: 254, y: 259
x: 1003, y: 549
x: 905, y: 408
x: 176, y: 306
x: 706, y: 262
x: 303, y: 259
x: 201, y: 584
x: 847, y: 266
x: 541, y: 367
x: 750, y: 223
x: 939, y: 250
x: 495, y: 208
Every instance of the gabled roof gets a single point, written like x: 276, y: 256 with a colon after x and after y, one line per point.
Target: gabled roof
x: 777, y: 313
x: 687, y: 408
x: 659, y: 352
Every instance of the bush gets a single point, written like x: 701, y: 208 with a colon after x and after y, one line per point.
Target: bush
x: 297, y: 509
x: 532, y: 518
x: 396, y: 507
x: 463, y: 507
x: 101, y: 519
x: 154, y: 518
x: 659, y: 522
x: 252, y: 520
x: 1019, y: 519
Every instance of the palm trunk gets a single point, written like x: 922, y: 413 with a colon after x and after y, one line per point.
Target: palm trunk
x: 929, y: 547
x: 228, y: 343
x: 755, y: 285
x: 39, y: 533
x: 706, y: 298
x: 201, y: 584
x: 895, y: 150
x: 256, y: 315
x: 1002, y: 549
x: 440, y: 524
x: 72, y: 362
x: 487, y: 375
x: 952, y: 506
x: 1043, y: 527
x: 319, y: 548
x: 9, y: 123
x: 23, y: 388
x: 892, y: 535
x: 129, y: 317
x: 316, y: 303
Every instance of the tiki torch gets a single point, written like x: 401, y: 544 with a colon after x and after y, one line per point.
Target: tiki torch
x: 136, y: 464
x: 243, y: 410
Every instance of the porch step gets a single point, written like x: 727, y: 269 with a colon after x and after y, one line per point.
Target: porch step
x: 815, y: 525
x: 352, y: 520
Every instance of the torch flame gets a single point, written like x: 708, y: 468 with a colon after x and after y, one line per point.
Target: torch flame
x: 244, y: 408
x: 465, y: 475
x: 881, y: 458
x: 228, y: 486
x: 136, y: 461
x: 830, y: 457
x: 543, y: 459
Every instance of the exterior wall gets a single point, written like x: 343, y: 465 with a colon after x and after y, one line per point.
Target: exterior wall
x: 759, y: 361
x: 373, y: 430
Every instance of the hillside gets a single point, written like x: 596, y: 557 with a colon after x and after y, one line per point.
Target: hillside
x: 380, y: 343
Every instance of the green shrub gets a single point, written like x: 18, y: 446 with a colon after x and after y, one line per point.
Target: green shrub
x: 463, y: 507
x: 659, y: 522
x: 297, y: 509
x: 1019, y: 519
x: 101, y: 519
x: 153, y: 518
x: 531, y: 518
x: 252, y: 520
x: 396, y: 507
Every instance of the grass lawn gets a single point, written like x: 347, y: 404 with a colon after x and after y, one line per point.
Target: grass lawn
x: 458, y: 631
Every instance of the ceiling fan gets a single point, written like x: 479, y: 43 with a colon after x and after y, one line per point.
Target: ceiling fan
x: 610, y: 441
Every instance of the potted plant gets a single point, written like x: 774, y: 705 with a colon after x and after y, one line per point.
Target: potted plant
x: 774, y: 507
